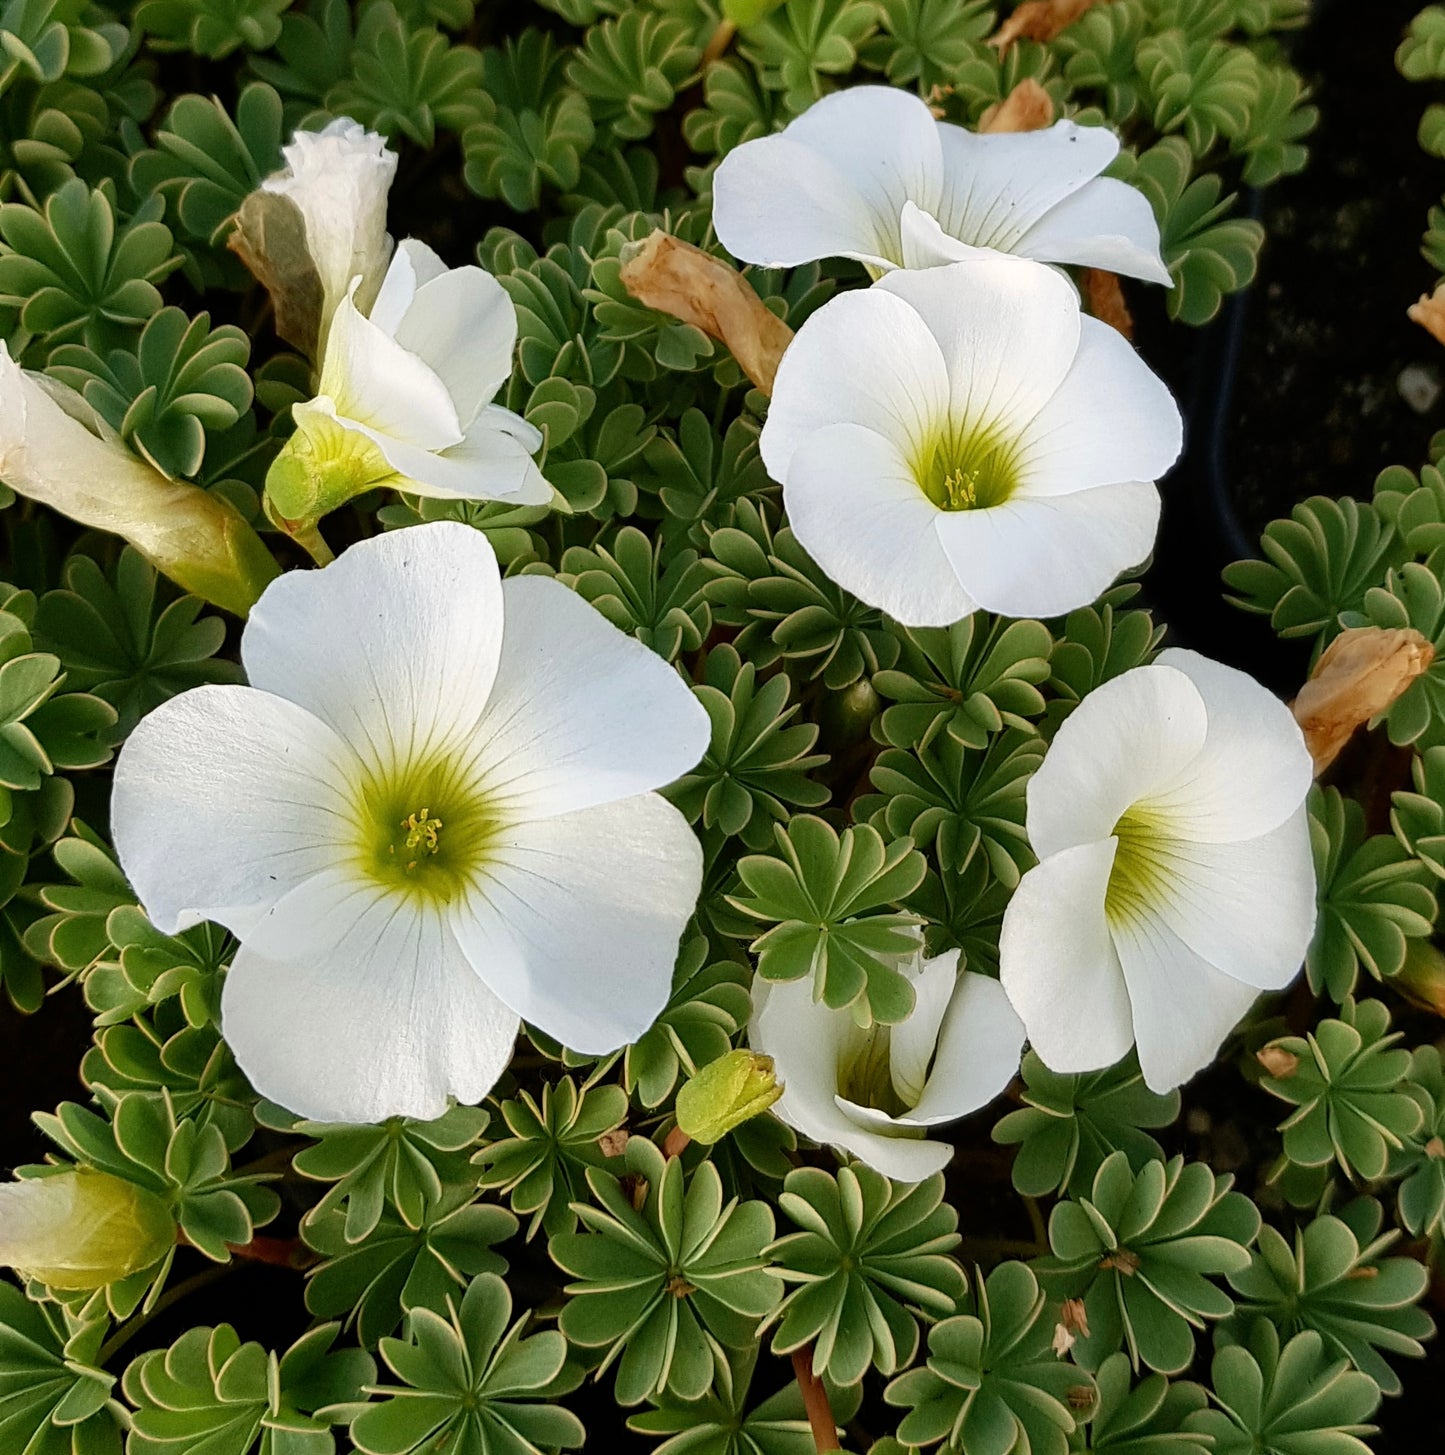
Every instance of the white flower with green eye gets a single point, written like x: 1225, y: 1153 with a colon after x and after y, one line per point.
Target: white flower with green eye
x: 876, y: 1092
x: 870, y: 173
x: 405, y: 398
x: 963, y: 437
x: 428, y: 815
x: 1175, y: 880
x: 338, y: 178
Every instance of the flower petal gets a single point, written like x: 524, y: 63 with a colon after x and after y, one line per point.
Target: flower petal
x: 926, y: 245
x: 1057, y: 962
x: 1124, y: 739
x: 1105, y: 224
x: 1111, y: 419
x: 996, y: 186
x: 778, y: 204
x: 463, y: 325
x: 224, y: 800
x: 350, y: 1005
x: 1008, y: 330
x: 1043, y: 557
x: 979, y: 1049
x: 1253, y: 770
x: 576, y: 921
x: 863, y: 358
x: 912, y: 1042
x: 1183, y: 1006
x: 856, y: 508
x: 1247, y: 907
x: 581, y: 713
x: 414, y: 264
x: 395, y: 644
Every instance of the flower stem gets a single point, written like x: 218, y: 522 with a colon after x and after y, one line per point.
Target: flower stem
x: 720, y: 40
x: 815, y: 1401
x: 308, y: 537
x: 128, y: 1330
x: 278, y: 1252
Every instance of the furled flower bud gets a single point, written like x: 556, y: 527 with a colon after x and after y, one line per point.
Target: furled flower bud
x: 82, y: 1228
x: 55, y: 449
x: 725, y: 1093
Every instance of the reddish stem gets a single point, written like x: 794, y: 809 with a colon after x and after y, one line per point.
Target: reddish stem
x: 278, y: 1252
x: 815, y: 1401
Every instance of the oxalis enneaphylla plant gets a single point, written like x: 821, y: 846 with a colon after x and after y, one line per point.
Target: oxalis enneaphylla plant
x: 579, y: 714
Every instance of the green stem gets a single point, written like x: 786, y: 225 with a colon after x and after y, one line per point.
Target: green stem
x: 128, y: 1330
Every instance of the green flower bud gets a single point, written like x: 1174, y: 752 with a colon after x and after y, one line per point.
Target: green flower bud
x: 82, y: 1229
x: 725, y: 1093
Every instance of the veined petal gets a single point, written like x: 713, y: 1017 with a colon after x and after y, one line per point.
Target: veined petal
x: 1043, y: 557
x: 1126, y: 738
x: 1112, y: 419
x: 576, y: 919
x: 778, y: 203
x: 996, y: 186
x: 865, y: 358
x: 224, y: 800
x: 1253, y: 770
x: 493, y: 462
x: 888, y: 1144
x: 347, y: 1004
x: 1105, y: 224
x: 414, y: 264
x: 926, y: 245
x: 395, y: 644
x: 856, y: 507
x: 463, y: 325
x: 378, y: 383
x: 1247, y: 907
x: 912, y: 1042
x: 1057, y: 962
x: 581, y: 714
x: 1008, y: 331
x: 1183, y: 1006
x: 979, y: 1049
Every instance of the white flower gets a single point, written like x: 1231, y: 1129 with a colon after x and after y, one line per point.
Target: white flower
x: 339, y: 178
x: 429, y: 814
x: 962, y: 437
x: 55, y: 449
x: 405, y: 397
x: 82, y: 1229
x: 869, y: 173
x: 876, y: 1092
x: 1175, y: 880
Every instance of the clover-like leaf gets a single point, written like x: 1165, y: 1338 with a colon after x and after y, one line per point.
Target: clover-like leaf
x: 827, y: 897
x: 472, y: 1385
x: 211, y: 28
x: 801, y: 42
x: 1420, y: 1163
x: 1138, y: 1250
x: 630, y: 67
x: 1069, y: 1125
x: 657, y: 1286
x: 1414, y: 596
x: 871, y: 1259
x: 1147, y: 1418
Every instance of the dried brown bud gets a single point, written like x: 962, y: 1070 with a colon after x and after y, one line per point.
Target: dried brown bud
x: 1122, y: 1260
x: 697, y: 288
x: 1278, y: 1062
x: 1075, y: 1316
x: 1028, y: 107
x: 614, y: 1144
x: 270, y: 238
x: 1039, y: 20
x: 1106, y: 300
x: 1358, y: 676
x: 1063, y: 1340
x: 1429, y: 313
x: 1435, y: 1148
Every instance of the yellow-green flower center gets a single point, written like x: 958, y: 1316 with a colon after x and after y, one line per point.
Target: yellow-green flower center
x: 424, y: 828
x: 1143, y: 864
x: 865, y: 1075
x: 970, y: 468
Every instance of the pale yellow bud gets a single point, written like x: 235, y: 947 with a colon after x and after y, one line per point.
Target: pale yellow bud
x: 725, y: 1093
x: 82, y: 1229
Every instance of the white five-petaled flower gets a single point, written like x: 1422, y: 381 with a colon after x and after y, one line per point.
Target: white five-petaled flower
x: 429, y: 814
x: 875, y: 1092
x: 963, y: 437
x: 1175, y: 879
x: 339, y: 178
x: 405, y: 397
x: 870, y: 173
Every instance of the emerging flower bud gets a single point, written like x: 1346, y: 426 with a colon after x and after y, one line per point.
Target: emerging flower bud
x: 725, y: 1093
x: 55, y: 449
x: 82, y: 1229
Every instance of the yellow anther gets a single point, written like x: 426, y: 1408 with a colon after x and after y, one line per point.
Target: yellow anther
x: 423, y: 832
x: 960, y: 489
